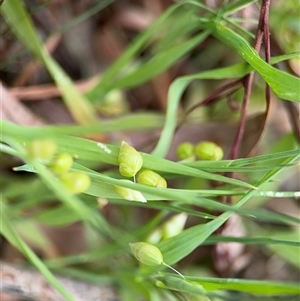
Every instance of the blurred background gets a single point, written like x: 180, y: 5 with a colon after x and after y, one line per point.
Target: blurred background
x: 86, y: 38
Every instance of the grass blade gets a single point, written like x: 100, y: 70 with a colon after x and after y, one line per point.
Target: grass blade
x: 247, y: 286
x: 20, y: 23
x: 284, y: 85
x: 176, y: 248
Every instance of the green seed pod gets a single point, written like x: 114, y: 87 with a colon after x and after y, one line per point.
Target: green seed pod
x: 76, y: 182
x: 129, y: 194
x: 114, y: 104
x: 155, y: 236
x: 174, y: 225
x: 61, y: 164
x: 151, y: 178
x: 146, y: 253
x: 185, y: 151
x: 130, y: 160
x: 207, y: 150
x: 149, y: 255
x: 43, y: 149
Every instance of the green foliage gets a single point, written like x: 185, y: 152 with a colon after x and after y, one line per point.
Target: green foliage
x: 178, y: 31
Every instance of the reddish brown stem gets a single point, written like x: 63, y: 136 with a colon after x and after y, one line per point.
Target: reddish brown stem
x: 262, y: 31
x: 232, y: 86
x: 216, y: 95
x: 267, y: 49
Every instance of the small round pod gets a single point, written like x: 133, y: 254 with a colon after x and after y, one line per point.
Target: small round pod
x: 76, y: 182
x: 43, y: 149
x: 130, y: 160
x: 174, y: 225
x: 207, y: 150
x: 185, y: 151
x: 61, y: 164
x: 149, y: 255
x: 129, y: 194
x: 146, y: 253
x: 151, y: 178
x: 155, y: 236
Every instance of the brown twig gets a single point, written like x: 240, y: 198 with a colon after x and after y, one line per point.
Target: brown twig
x: 14, y: 111
x: 266, y: 31
x: 215, y: 96
x: 262, y: 32
x: 46, y: 91
x: 232, y: 87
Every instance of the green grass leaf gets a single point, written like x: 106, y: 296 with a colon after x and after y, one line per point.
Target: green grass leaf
x: 284, y: 85
x: 179, y: 85
x: 176, y: 248
x: 92, y: 151
x: 247, y: 286
x: 158, y: 63
x: 138, y: 122
x: 267, y: 240
x: 116, y: 71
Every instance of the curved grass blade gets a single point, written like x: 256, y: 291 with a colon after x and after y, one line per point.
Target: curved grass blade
x: 179, y: 85
x: 284, y: 85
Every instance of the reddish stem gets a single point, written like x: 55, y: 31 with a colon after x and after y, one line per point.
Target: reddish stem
x: 262, y: 32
